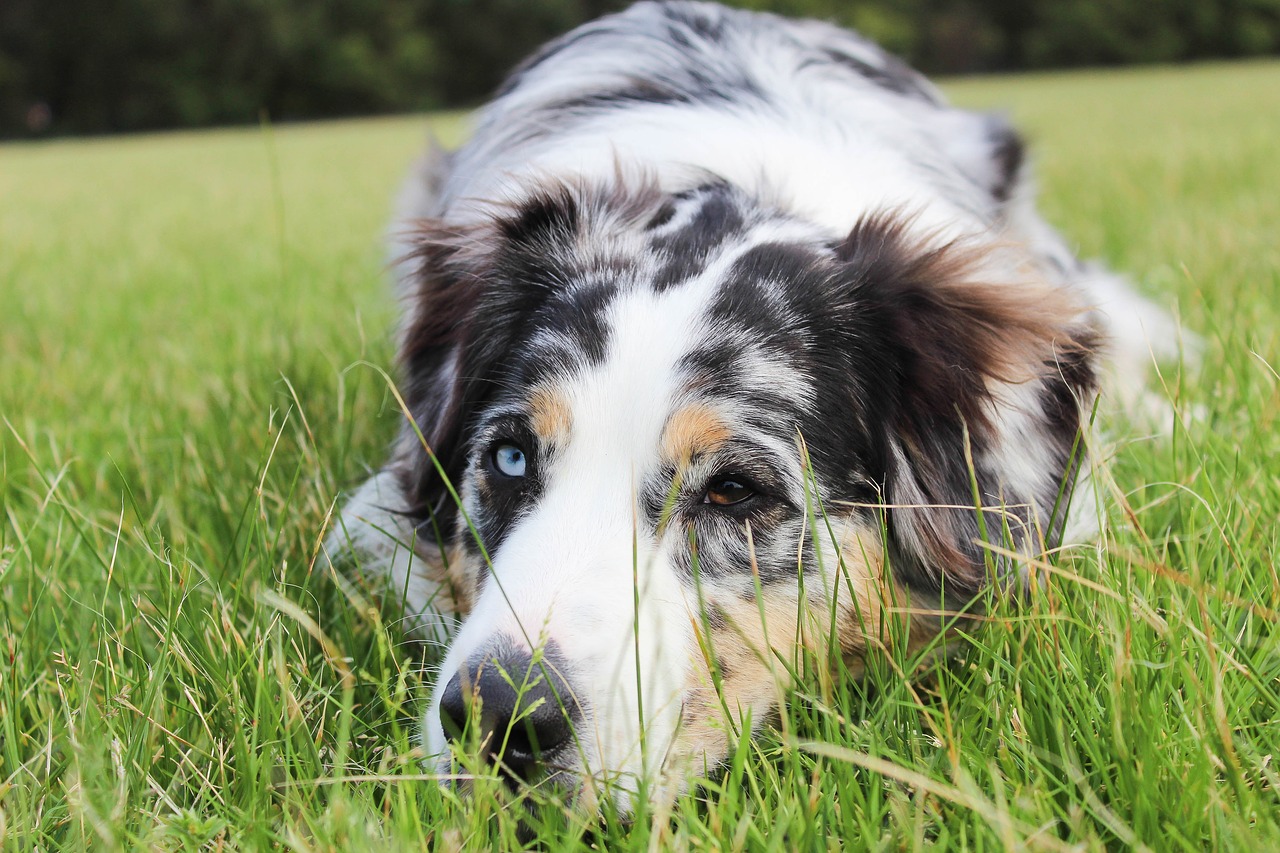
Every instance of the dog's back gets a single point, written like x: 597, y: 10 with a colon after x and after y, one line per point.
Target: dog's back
x: 810, y: 115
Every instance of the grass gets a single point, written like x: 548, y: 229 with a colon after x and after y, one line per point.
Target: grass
x: 184, y: 321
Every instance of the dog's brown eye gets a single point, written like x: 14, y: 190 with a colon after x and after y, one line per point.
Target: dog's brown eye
x: 728, y: 491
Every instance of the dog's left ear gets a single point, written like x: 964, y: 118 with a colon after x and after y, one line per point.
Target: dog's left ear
x: 981, y: 377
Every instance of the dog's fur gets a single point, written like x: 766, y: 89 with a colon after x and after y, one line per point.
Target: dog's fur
x: 688, y: 245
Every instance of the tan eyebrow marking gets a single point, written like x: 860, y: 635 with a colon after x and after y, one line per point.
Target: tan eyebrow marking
x: 550, y: 415
x: 693, y: 430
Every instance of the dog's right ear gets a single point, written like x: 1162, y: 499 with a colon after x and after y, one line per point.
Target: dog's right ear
x: 441, y: 283
x: 469, y: 292
x: 397, y: 521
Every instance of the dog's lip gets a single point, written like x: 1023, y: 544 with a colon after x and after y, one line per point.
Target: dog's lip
x: 554, y: 771
x: 568, y: 779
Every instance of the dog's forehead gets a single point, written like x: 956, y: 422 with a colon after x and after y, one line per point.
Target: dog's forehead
x: 702, y: 291
x: 618, y: 370
x: 668, y: 384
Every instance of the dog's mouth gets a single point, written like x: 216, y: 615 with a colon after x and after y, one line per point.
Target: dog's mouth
x: 558, y: 779
x: 504, y: 759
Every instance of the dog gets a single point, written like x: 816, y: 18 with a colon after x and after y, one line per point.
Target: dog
x: 725, y: 339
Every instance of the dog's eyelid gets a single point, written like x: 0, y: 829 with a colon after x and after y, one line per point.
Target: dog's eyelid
x: 503, y: 424
x: 506, y: 428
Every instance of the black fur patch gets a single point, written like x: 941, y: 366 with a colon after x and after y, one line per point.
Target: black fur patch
x: 1070, y: 384
x: 638, y: 92
x: 892, y: 74
x: 1008, y: 153
x: 579, y: 316
x: 696, y: 21
x: 685, y: 252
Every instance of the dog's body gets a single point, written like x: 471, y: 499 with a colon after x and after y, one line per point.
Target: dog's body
x: 720, y: 325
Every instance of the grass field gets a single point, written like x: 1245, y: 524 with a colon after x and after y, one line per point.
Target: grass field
x: 184, y: 325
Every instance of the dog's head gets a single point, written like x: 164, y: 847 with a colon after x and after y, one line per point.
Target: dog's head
x: 668, y: 442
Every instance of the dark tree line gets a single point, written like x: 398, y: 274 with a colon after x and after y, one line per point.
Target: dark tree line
x: 87, y: 66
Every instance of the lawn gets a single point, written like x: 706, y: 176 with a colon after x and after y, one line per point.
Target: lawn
x: 190, y: 331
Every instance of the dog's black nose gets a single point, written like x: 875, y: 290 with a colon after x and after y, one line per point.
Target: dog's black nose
x: 525, y: 708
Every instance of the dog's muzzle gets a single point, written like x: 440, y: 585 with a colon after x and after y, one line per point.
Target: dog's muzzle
x: 520, y: 709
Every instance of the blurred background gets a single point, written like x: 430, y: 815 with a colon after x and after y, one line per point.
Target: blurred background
x: 101, y: 66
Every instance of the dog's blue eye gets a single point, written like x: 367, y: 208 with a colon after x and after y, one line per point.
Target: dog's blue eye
x: 509, y: 460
